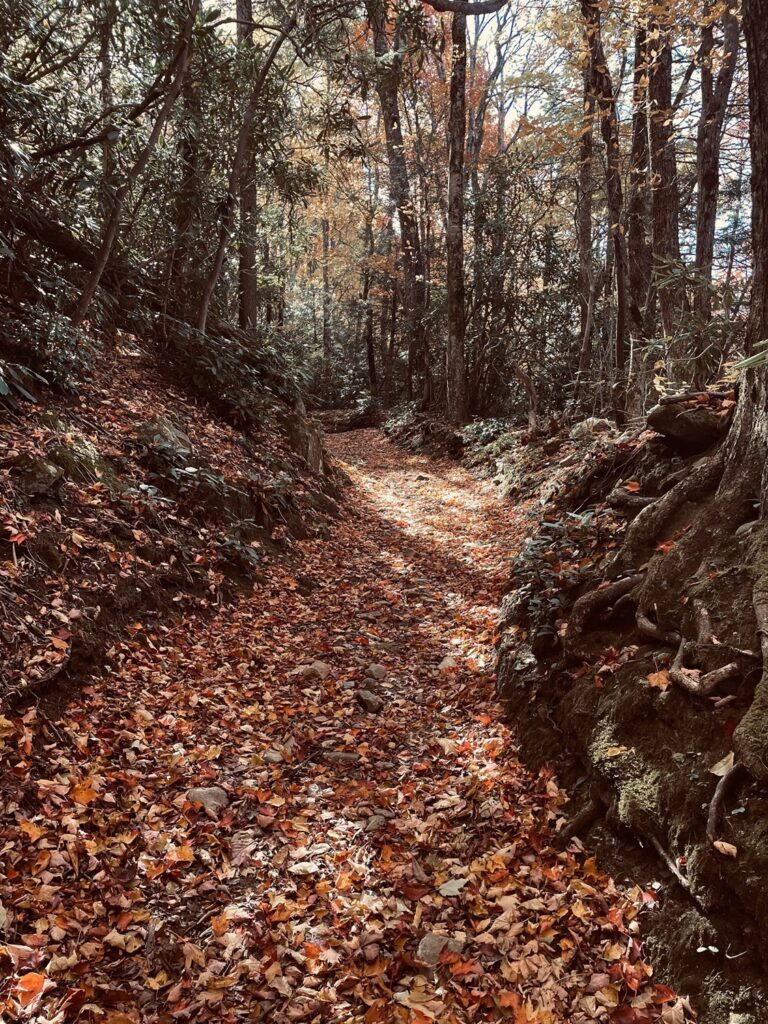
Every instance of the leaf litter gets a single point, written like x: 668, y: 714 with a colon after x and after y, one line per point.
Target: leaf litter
x: 392, y: 864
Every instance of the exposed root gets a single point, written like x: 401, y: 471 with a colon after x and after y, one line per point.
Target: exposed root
x: 669, y: 860
x: 692, y: 680
x: 750, y: 740
x: 582, y: 822
x: 653, y: 632
x: 724, y: 787
x: 650, y: 521
x: 590, y: 603
x: 620, y: 498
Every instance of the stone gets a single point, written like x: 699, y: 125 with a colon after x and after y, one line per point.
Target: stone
x: 376, y: 672
x: 315, y: 669
x: 430, y: 948
x: 342, y: 757
x: 698, y: 427
x: 589, y: 427
x: 163, y: 433
x: 213, y: 798
x: 369, y: 701
x: 35, y: 475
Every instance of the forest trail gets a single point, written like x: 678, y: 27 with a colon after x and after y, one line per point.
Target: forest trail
x: 388, y: 864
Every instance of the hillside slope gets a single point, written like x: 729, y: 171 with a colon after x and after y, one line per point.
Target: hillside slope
x: 134, y: 498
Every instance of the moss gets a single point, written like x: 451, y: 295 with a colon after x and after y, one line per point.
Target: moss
x: 639, y: 803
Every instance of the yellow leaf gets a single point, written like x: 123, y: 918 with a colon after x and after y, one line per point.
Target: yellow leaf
x: 728, y: 849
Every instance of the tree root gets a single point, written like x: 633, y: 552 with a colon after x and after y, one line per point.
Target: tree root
x: 724, y: 787
x: 750, y: 739
x: 650, y: 521
x: 591, y: 602
x: 581, y: 823
x: 619, y: 498
x: 653, y: 632
x: 692, y: 681
x: 669, y: 860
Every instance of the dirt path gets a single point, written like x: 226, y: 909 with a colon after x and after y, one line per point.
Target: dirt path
x: 389, y: 864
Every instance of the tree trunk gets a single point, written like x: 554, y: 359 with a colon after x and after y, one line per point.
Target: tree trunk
x: 248, y: 277
x: 714, y: 102
x: 327, y: 334
x: 609, y: 127
x: 749, y: 433
x: 665, y: 197
x: 366, y: 301
x: 235, y: 171
x: 584, y: 204
x: 414, y: 273
x: 638, y: 203
x: 175, y: 76
x: 456, y: 371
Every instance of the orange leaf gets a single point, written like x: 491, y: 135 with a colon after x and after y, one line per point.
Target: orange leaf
x: 660, y: 680
x: 84, y: 792
x: 29, y: 987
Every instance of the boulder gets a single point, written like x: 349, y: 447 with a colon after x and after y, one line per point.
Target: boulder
x: 377, y: 672
x: 697, y: 426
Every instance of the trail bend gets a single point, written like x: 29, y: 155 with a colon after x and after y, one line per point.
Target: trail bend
x: 382, y: 854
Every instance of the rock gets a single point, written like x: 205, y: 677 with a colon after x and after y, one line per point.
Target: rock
x: 376, y: 672
x: 163, y: 433
x: 422, y: 476
x: 369, y: 701
x: 375, y: 823
x: 316, y: 669
x: 589, y: 427
x: 448, y: 664
x: 342, y: 757
x: 430, y: 948
x: 35, y: 475
x: 213, y: 798
x: 348, y: 684
x: 698, y: 427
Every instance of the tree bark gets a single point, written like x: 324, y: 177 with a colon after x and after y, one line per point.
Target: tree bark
x: 456, y: 370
